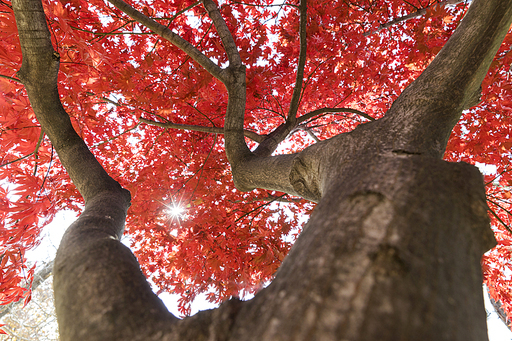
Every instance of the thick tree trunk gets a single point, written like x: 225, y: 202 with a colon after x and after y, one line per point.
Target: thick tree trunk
x: 393, y: 258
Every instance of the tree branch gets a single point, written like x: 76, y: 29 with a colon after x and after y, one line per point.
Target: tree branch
x: 116, y: 136
x: 224, y: 33
x: 215, y: 130
x: 180, y: 12
x: 39, y: 75
x: 412, y: 15
x: 497, y: 217
x: 419, y: 121
x: 28, y: 155
x: 39, y: 278
x: 297, y: 90
x: 272, y: 140
x: 10, y: 78
x: 320, y: 111
x: 271, y: 5
x: 498, y: 308
x: 172, y: 37
x: 308, y: 131
x: 92, y: 266
x: 450, y: 83
x: 102, y: 34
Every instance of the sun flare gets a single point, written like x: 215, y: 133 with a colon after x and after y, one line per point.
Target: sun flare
x: 175, y: 210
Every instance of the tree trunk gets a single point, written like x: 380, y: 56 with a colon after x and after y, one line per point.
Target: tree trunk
x: 394, y: 257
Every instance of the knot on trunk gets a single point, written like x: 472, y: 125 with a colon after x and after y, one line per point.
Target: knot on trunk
x: 304, y: 179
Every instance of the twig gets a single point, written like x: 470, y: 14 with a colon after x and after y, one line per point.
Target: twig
x: 47, y: 172
x: 257, y: 208
x: 271, y: 5
x: 416, y: 14
x: 215, y: 130
x: 102, y: 34
x: 39, y: 279
x: 179, y: 13
x: 506, y: 170
x: 10, y: 78
x: 204, y: 164
x: 117, y: 136
x: 28, y: 155
x: 499, y: 219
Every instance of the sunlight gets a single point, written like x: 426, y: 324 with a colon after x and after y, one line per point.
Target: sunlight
x: 175, y: 211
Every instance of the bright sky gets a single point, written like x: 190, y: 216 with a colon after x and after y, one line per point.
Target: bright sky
x: 496, y: 329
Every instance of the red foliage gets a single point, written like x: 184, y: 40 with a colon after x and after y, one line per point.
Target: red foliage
x: 113, y: 71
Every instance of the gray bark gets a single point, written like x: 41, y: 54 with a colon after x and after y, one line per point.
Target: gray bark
x: 498, y: 309
x: 391, y: 252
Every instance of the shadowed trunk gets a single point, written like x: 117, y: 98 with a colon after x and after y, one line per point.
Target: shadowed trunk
x: 393, y: 258
x: 391, y: 252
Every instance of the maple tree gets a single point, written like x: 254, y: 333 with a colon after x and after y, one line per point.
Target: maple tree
x: 179, y: 101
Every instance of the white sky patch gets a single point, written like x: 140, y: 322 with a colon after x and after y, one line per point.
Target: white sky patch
x: 51, y: 237
x: 200, y: 303
x: 496, y: 329
x: 486, y: 169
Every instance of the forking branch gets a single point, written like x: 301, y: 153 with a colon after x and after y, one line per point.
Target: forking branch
x: 170, y: 36
x: 224, y: 33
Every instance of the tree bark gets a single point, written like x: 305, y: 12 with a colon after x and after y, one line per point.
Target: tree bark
x: 391, y: 252
x: 394, y: 258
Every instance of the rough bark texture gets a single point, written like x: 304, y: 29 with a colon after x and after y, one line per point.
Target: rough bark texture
x: 391, y: 253
x: 401, y: 261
